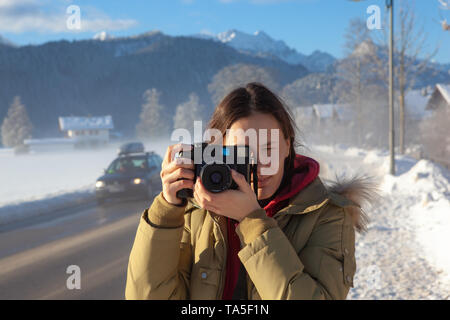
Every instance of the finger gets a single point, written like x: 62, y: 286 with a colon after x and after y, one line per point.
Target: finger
x: 178, y: 174
x: 172, y: 150
x: 205, y: 194
x: 174, y: 165
x: 167, y: 155
x: 180, y: 184
x: 203, y: 203
x: 240, y: 181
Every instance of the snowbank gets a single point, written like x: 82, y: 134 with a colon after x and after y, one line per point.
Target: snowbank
x: 425, y: 186
x: 56, y: 202
x: 404, y: 254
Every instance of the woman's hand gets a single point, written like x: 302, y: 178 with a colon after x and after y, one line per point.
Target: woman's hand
x: 172, y: 170
x: 234, y: 204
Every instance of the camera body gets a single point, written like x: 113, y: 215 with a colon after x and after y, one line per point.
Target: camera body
x: 213, y: 164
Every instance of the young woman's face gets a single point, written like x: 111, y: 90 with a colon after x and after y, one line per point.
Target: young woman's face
x: 271, y: 156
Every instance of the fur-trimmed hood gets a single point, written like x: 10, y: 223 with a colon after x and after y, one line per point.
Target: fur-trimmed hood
x: 362, y: 190
x: 357, y: 194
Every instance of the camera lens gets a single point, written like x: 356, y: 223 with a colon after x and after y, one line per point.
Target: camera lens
x: 216, y: 177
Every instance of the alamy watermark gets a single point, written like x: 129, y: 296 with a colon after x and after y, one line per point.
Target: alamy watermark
x: 74, y: 280
x: 73, y: 22
x: 374, y: 20
x: 264, y: 151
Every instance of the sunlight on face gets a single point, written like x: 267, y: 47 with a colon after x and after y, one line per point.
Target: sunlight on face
x: 270, y: 147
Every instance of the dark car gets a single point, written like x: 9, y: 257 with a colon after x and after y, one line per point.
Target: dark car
x: 134, y: 175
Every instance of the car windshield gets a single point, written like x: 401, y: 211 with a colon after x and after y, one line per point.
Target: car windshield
x: 127, y: 164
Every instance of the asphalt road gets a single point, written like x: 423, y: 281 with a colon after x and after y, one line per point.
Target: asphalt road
x: 34, y: 255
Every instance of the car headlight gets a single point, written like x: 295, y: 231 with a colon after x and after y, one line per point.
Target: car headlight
x: 100, y: 184
x: 137, y: 181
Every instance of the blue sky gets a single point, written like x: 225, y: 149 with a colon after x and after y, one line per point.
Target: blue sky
x: 305, y: 25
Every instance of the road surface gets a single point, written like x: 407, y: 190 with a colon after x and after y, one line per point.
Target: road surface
x: 34, y: 255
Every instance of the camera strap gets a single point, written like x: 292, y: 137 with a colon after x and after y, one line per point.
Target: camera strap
x: 255, y: 179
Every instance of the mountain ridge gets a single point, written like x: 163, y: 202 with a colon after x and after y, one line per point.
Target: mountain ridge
x: 93, y: 77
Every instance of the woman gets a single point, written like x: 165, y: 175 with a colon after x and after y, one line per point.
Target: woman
x: 295, y: 240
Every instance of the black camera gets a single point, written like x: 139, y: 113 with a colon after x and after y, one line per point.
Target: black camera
x: 213, y: 164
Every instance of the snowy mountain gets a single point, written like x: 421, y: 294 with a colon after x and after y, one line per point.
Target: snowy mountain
x: 261, y: 44
x: 109, y: 77
x: 102, y: 36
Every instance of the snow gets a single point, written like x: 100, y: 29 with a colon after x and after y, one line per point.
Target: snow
x: 43, y: 175
x: 404, y: 254
x: 260, y: 43
x: 445, y: 91
x: 103, y: 36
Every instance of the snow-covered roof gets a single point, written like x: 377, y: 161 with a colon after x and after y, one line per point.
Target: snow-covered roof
x: 445, y: 91
x: 323, y: 111
x: 344, y: 111
x: 440, y: 91
x: 85, y: 123
x: 416, y: 103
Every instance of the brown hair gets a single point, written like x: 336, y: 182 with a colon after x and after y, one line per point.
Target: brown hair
x: 255, y: 97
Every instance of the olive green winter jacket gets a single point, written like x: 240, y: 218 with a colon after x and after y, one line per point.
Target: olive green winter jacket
x: 306, y: 251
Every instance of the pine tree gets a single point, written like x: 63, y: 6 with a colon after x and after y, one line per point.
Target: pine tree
x: 188, y: 112
x: 16, y: 126
x: 153, y: 122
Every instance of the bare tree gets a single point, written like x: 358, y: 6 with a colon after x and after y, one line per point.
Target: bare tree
x: 16, y: 126
x: 411, y: 63
x: 444, y: 5
x: 236, y: 75
x: 358, y: 70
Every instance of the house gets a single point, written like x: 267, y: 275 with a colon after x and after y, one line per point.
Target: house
x: 87, y: 131
x: 80, y: 132
x: 333, y: 112
x: 440, y: 97
x: 416, y: 102
x: 324, y: 113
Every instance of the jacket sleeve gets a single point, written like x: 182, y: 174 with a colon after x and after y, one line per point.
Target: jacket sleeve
x: 323, y: 269
x: 159, y: 266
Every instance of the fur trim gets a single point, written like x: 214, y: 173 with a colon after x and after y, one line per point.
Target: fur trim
x: 363, y: 190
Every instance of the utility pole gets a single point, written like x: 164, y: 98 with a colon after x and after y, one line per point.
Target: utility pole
x: 390, y: 6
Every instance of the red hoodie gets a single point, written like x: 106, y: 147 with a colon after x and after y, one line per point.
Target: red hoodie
x: 305, y: 171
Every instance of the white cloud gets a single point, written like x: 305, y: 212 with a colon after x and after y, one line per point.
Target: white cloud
x: 50, y: 16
